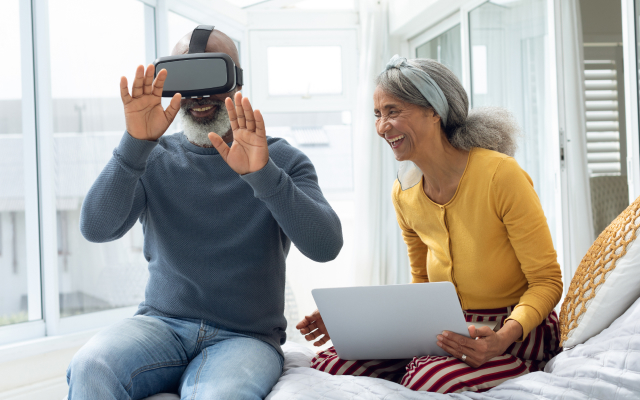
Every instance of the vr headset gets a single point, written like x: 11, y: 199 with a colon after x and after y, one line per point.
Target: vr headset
x: 199, y: 74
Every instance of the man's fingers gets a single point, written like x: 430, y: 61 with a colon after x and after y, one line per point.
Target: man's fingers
x: 148, y: 79
x: 248, y: 114
x: 219, y: 144
x: 260, y: 129
x: 240, y: 111
x: 136, y: 89
x: 124, y: 91
x: 158, y: 83
x: 233, y: 118
x: 173, y: 108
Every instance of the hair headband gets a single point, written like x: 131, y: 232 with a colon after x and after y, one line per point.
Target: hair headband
x: 424, y: 83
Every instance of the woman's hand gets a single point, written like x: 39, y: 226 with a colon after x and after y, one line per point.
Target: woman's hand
x: 312, y: 327
x: 249, y: 151
x: 486, y: 345
x: 145, y: 118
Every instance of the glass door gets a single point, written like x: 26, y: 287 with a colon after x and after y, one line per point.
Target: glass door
x: 509, y: 68
x: 444, y: 48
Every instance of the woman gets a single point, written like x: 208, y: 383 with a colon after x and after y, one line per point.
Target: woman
x: 469, y: 215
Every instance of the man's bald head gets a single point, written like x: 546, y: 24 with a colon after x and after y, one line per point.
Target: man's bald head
x: 218, y: 43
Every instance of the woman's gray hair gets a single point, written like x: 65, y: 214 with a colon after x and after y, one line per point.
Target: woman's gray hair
x: 492, y: 128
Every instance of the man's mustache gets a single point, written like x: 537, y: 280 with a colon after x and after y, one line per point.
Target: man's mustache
x: 191, y: 103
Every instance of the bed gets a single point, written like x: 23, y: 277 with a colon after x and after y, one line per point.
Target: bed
x: 607, y: 366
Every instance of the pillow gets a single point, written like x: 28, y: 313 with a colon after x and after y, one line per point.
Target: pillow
x: 607, y: 281
x: 296, y: 355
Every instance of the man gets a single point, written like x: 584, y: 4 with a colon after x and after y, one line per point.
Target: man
x: 219, y: 212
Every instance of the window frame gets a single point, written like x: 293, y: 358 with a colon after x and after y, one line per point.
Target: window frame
x: 631, y: 95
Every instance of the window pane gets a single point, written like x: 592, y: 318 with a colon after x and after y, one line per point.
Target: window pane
x: 304, y: 71
x: 178, y: 27
x: 508, y: 63
x: 13, y: 268
x: 445, y: 48
x: 88, y: 124
x: 326, y: 138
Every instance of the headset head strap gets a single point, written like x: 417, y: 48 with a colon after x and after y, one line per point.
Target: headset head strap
x: 199, y: 38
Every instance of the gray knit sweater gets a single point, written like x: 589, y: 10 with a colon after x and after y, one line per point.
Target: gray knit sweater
x: 216, y: 242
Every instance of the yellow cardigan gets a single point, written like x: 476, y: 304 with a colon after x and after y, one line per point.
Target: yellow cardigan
x: 491, y: 240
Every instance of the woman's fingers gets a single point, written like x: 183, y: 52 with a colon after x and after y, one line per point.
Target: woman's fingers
x: 309, y: 319
x: 124, y: 90
x: 458, y: 352
x: 453, y: 339
x: 240, y: 111
x: 322, y: 340
x: 148, y: 79
x: 136, y: 89
x: 309, y: 328
x: 302, y: 324
x: 233, y: 118
x: 158, y: 83
x: 483, y: 331
x: 315, y: 334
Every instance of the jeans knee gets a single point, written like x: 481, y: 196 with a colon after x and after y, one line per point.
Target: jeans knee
x: 93, y: 370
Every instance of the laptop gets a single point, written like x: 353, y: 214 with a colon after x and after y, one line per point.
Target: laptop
x: 391, y: 322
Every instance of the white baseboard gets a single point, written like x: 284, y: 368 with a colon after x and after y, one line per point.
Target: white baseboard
x: 52, y: 389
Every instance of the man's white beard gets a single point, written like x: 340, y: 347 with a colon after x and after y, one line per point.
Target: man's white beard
x: 198, y: 132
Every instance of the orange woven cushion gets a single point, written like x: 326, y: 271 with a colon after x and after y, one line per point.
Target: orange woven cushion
x: 607, y: 281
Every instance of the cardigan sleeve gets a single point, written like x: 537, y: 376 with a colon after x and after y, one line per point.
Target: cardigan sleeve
x: 518, y: 206
x: 416, y: 248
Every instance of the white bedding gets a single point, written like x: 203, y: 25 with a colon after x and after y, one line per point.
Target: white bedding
x: 607, y: 367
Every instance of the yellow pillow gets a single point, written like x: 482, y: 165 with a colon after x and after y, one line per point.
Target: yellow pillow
x: 606, y: 283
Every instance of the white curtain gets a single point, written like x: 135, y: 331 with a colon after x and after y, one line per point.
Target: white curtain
x: 380, y: 254
x: 580, y: 232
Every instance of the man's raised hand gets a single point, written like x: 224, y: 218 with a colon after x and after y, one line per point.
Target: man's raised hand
x: 249, y: 151
x: 143, y: 112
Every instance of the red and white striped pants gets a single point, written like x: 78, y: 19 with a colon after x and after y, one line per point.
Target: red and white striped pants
x: 450, y: 375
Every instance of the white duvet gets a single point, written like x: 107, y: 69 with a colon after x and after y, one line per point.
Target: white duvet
x: 607, y: 367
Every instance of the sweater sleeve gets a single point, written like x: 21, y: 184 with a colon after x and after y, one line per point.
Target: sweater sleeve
x: 416, y: 248
x: 297, y: 204
x: 519, y: 207
x: 117, y: 197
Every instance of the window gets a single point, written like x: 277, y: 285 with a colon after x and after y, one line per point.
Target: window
x: 307, y: 71
x: 446, y: 49
x: 306, y: 94
x: 14, y: 288
x: 55, y: 138
x: 88, y: 122
x: 603, y: 90
x: 508, y: 69
x: 304, y: 70
x: 178, y: 27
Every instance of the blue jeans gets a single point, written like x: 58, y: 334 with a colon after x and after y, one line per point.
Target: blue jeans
x: 142, y: 356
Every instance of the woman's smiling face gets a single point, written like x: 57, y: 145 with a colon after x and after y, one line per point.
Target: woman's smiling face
x: 406, y: 127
